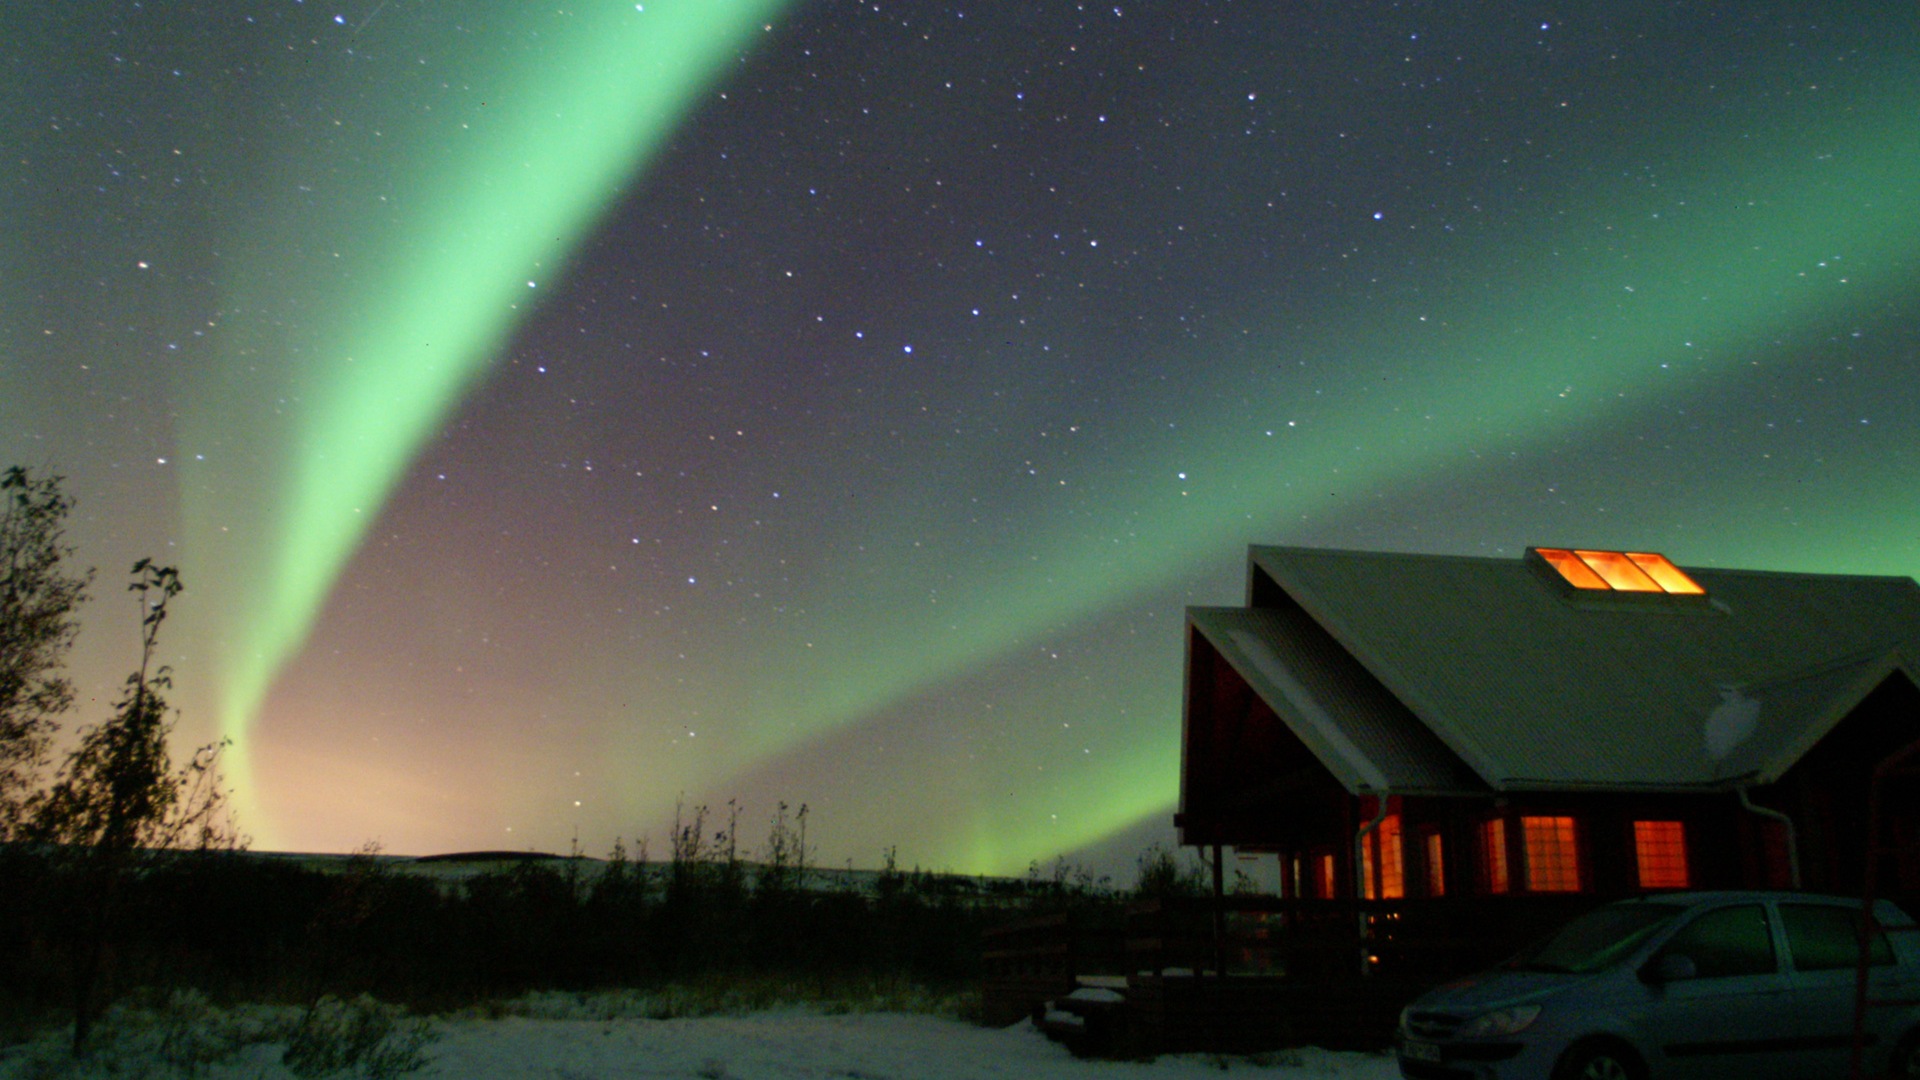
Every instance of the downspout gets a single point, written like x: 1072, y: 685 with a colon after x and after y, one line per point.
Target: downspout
x: 1360, y: 879
x: 1793, y: 840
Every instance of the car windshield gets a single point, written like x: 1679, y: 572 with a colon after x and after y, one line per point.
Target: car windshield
x: 1596, y: 939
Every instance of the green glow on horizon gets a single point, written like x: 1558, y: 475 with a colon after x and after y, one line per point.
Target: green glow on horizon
x: 1541, y: 346
x: 417, y: 234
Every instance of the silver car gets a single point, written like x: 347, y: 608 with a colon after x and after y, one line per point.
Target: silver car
x: 1728, y: 984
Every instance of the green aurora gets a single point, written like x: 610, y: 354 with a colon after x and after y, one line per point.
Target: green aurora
x: 379, y: 258
x: 1690, y: 293
x: 442, y: 223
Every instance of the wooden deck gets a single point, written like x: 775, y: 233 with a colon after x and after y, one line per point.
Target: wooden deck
x: 1262, y: 974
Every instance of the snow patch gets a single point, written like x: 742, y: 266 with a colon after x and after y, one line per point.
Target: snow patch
x: 789, y: 1045
x: 1731, y: 722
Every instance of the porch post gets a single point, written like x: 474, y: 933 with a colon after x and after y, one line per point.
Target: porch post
x: 1793, y: 838
x: 1362, y: 928
x: 1219, y: 912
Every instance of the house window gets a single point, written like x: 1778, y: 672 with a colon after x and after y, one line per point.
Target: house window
x: 1325, y: 884
x: 1385, y: 866
x: 1553, y: 863
x: 1620, y: 571
x: 1392, y: 861
x: 1436, y: 865
x: 1660, y: 847
x: 1393, y: 866
x: 1493, y: 855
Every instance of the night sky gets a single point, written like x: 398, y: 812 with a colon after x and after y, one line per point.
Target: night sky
x: 557, y: 412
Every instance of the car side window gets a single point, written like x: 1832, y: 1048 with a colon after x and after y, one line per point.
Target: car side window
x: 1730, y: 941
x: 1823, y: 936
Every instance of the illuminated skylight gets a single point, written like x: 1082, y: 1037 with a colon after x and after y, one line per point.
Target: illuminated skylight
x: 1619, y: 571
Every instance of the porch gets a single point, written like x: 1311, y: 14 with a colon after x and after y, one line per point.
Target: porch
x: 1252, y: 973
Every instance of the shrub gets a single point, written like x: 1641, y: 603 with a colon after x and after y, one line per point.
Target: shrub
x: 150, y: 1034
x: 363, y: 1035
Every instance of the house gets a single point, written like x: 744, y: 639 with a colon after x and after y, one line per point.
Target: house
x: 1436, y: 758
x: 1574, y: 724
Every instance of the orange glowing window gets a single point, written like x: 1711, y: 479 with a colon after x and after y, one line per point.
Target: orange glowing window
x: 1553, y: 863
x: 1323, y: 877
x: 1576, y: 572
x: 1668, y: 576
x: 1393, y: 883
x: 1436, y: 866
x: 1620, y: 571
x: 1493, y: 855
x: 1384, y: 868
x: 1660, y: 848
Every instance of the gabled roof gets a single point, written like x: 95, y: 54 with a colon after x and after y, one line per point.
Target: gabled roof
x: 1361, y: 733
x: 1414, y: 673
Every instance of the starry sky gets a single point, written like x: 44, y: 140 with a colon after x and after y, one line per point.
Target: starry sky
x: 562, y: 412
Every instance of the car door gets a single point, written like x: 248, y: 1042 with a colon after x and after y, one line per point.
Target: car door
x: 1719, y: 1000
x: 1823, y: 951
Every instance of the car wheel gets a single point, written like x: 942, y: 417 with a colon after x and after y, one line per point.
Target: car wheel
x: 1599, y: 1060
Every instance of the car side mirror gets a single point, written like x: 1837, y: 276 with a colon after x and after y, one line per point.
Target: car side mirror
x: 1670, y: 967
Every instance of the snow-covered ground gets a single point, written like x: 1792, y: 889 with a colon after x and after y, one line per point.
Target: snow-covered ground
x: 803, y: 1046
x: 776, y: 1045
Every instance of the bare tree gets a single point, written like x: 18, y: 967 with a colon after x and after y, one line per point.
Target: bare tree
x: 117, y: 802
x: 38, y: 597
x: 783, y: 862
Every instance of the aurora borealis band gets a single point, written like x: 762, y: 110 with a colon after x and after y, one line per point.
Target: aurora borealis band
x: 560, y: 414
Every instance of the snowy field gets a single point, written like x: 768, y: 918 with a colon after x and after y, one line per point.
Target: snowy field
x: 874, y: 1046
x: 778, y: 1045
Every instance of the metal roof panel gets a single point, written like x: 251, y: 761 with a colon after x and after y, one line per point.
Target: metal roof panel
x: 1531, y: 688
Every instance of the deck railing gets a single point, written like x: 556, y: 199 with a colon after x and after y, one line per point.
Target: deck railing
x: 1339, y: 939
x: 1322, y: 942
